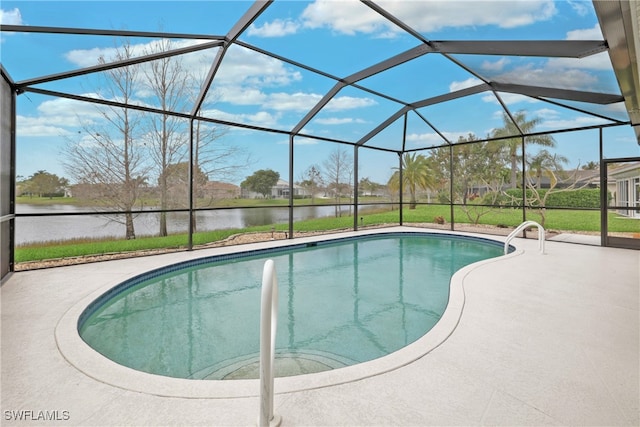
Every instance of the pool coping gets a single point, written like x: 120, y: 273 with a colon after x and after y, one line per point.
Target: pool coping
x: 88, y: 361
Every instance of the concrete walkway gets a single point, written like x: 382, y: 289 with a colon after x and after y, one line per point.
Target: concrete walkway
x: 535, y: 340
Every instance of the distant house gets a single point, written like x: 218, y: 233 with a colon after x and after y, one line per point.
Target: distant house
x: 624, y: 184
x: 578, y: 178
x: 278, y: 191
x: 281, y: 190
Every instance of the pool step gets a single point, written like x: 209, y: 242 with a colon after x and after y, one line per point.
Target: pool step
x: 285, y: 365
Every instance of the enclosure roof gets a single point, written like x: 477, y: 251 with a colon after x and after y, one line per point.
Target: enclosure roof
x: 403, y: 75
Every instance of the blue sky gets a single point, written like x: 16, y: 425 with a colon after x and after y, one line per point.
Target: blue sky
x: 336, y: 37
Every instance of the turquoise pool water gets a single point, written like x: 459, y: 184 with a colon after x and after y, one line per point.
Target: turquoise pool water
x: 340, y: 303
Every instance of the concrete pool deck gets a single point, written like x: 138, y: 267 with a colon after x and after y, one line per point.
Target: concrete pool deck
x: 539, y: 340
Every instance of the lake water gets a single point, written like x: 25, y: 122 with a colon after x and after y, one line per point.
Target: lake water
x: 64, y: 227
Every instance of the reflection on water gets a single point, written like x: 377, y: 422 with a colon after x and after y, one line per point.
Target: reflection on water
x: 65, y: 227
x: 345, y: 302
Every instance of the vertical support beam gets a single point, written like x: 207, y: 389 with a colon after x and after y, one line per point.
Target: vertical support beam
x: 190, y: 180
x: 8, y: 94
x: 524, y: 187
x: 404, y: 131
x: 290, y: 186
x: 12, y: 223
x: 401, y: 186
x: 12, y: 178
x: 451, y: 207
x: 355, y: 188
x: 604, y: 193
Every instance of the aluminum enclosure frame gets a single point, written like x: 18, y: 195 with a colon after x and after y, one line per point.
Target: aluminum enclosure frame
x: 618, y: 20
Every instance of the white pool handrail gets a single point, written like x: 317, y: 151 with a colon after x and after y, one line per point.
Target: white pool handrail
x: 522, y: 227
x: 268, y: 328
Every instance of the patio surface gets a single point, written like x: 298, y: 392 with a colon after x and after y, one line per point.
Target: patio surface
x: 529, y: 339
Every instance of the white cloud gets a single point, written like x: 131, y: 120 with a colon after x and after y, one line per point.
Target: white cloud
x: 245, y: 78
x: 577, y: 122
x: 555, y: 73
x: 347, y: 17
x: 579, y: 7
x: 342, y: 103
x: 58, y: 117
x: 244, y: 66
x: 283, y: 101
x: 352, y: 17
x: 276, y: 28
x: 618, y: 107
x: 338, y: 121
x: 239, y: 78
x: 261, y: 118
x: 64, y: 117
x: 305, y: 141
x: 432, y: 138
x: 453, y: 14
x: 38, y: 126
x: 239, y: 95
x: 470, y: 82
x: 546, y: 113
x: 509, y: 99
x: 90, y: 57
x: 599, y: 61
x: 297, y: 101
x: 11, y: 17
x: 495, y: 66
x: 68, y: 111
x: 586, y: 34
x: 299, y: 140
x: 551, y: 119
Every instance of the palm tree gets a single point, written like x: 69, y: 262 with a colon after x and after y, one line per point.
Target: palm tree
x: 416, y: 173
x: 512, y: 144
x: 545, y: 163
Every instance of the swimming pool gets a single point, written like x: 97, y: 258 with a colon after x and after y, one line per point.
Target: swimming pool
x: 342, y: 302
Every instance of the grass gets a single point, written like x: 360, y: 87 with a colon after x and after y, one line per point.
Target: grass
x: 567, y: 220
x: 44, y: 201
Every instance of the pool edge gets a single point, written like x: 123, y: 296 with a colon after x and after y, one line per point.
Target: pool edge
x: 88, y: 361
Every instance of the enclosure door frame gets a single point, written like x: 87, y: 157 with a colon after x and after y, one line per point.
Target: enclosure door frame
x: 632, y: 207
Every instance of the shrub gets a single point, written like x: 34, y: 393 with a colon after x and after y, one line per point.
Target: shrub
x: 582, y: 198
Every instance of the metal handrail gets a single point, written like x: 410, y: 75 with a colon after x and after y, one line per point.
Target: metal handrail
x: 521, y: 227
x: 268, y: 328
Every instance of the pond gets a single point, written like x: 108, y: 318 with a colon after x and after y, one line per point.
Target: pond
x: 65, y: 227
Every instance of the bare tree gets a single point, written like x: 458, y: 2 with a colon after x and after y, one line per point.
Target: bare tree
x: 338, y: 169
x: 167, y: 81
x: 550, y: 166
x: 216, y: 158
x: 393, y: 187
x: 109, y: 160
x: 311, y: 180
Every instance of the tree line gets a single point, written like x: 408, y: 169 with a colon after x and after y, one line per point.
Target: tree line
x: 42, y: 184
x: 478, y: 174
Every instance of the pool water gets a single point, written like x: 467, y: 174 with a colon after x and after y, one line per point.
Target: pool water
x: 340, y: 303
